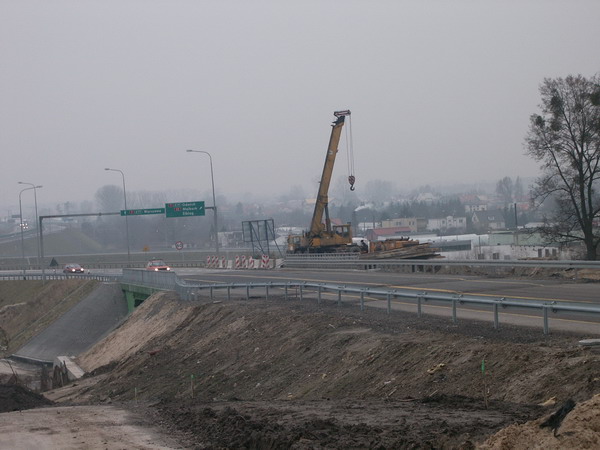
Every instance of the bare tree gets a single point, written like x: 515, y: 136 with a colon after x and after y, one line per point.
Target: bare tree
x: 565, y: 139
x: 518, y: 189
x: 110, y: 198
x: 379, y: 190
x: 505, y: 190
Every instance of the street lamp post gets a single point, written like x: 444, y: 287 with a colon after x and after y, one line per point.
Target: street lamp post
x: 34, y: 187
x: 21, y: 225
x: 212, y: 180
x: 126, y: 221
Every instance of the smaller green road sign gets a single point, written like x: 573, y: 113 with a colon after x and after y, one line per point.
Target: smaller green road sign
x: 142, y: 212
x: 184, y: 209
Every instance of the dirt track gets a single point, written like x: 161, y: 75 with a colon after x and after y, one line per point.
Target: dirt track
x: 275, y: 374
x: 80, y: 427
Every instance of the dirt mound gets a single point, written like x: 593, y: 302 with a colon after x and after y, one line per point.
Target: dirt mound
x: 16, y: 398
x: 337, y: 424
x: 274, y: 373
x: 580, y: 428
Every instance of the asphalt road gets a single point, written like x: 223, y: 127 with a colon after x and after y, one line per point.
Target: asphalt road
x: 523, y: 289
x: 545, y: 290
x: 560, y: 291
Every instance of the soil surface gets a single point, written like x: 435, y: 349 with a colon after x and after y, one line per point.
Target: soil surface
x: 285, y: 374
x: 17, y: 398
x: 81, y: 427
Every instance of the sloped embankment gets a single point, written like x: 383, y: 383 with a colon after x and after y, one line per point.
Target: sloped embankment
x: 309, y: 362
x: 80, y: 327
x: 273, y: 349
x: 28, y: 307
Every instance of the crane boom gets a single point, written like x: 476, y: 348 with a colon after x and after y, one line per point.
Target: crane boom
x: 324, y: 237
x: 321, y: 205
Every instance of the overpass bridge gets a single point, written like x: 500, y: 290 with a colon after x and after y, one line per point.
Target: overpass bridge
x: 97, y: 315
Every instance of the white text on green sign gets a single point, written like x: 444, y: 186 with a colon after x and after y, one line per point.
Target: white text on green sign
x: 184, y: 209
x: 142, y: 212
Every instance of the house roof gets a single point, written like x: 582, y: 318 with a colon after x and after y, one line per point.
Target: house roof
x: 472, y: 199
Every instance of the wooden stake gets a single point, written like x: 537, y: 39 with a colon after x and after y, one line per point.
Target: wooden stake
x: 485, y: 390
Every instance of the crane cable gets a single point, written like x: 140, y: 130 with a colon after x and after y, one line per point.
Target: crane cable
x: 350, y: 153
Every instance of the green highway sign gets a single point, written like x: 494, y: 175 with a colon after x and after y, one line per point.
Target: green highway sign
x: 142, y: 212
x: 184, y: 209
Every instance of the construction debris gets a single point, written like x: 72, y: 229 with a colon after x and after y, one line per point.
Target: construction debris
x: 401, y: 248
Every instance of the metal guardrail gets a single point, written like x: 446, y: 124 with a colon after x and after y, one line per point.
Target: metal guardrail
x: 324, y: 256
x: 354, y: 262
x: 58, y: 276
x: 161, y: 280
x: 191, y: 291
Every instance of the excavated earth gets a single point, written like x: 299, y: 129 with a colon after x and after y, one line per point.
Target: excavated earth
x: 288, y: 374
x: 14, y: 397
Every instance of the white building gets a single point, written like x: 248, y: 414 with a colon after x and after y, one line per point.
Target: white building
x: 447, y: 223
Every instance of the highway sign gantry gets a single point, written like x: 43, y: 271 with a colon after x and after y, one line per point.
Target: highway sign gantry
x: 181, y: 209
x: 184, y: 209
x: 142, y: 212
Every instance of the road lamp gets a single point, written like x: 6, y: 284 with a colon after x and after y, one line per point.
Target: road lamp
x: 212, y: 180
x: 34, y: 187
x: 21, y: 223
x: 126, y: 221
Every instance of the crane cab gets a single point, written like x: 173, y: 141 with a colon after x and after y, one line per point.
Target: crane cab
x: 338, y: 240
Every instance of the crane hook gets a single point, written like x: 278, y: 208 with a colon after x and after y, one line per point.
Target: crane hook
x: 351, y: 180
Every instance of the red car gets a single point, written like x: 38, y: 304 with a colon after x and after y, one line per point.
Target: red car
x: 156, y: 265
x: 73, y: 268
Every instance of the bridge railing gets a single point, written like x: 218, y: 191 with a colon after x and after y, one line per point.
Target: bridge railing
x: 166, y: 280
x: 58, y: 276
x: 193, y: 291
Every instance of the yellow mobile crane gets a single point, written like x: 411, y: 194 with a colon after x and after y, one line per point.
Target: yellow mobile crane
x: 323, y: 238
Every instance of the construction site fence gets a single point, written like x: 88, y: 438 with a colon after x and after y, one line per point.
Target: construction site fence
x: 348, y: 294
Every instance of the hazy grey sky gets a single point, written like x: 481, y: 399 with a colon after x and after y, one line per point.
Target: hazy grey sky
x: 440, y: 91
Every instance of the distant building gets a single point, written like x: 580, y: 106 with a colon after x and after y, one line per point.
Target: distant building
x: 364, y: 226
x: 488, y: 220
x: 231, y: 239
x: 381, y: 234
x: 447, y: 223
x: 427, y: 197
x: 519, y: 238
x: 415, y: 224
x: 474, y: 203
